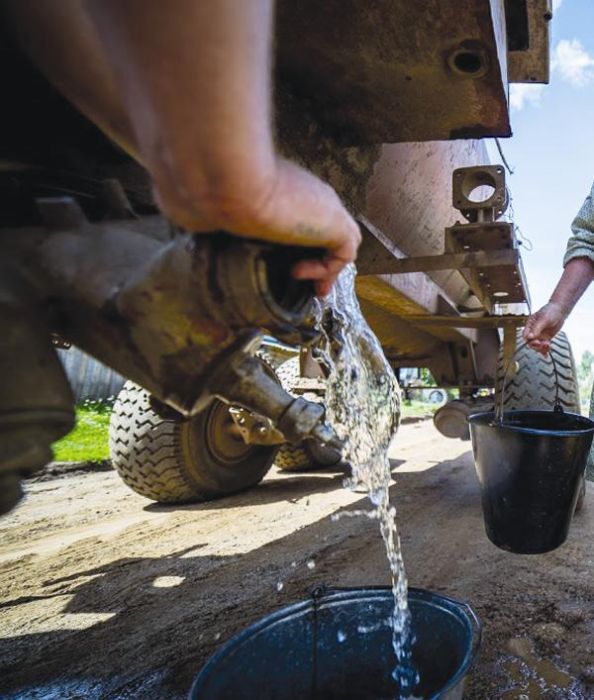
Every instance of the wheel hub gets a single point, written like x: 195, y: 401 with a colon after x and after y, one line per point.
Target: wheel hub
x: 223, y: 438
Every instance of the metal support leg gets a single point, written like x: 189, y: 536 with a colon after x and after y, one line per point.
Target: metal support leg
x: 36, y: 402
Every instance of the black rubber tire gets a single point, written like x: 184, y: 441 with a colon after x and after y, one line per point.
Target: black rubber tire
x: 288, y: 373
x: 293, y: 458
x: 171, y: 460
x: 533, y: 386
x: 307, y: 455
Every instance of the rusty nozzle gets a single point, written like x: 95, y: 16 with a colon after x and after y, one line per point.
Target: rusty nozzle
x: 244, y: 381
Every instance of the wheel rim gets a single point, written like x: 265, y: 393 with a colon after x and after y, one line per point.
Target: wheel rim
x: 436, y: 397
x: 222, y: 439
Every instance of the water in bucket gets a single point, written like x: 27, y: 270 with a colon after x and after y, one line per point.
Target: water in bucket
x: 338, y: 645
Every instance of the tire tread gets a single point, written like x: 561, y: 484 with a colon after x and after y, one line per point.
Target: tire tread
x: 145, y: 449
x: 533, y: 386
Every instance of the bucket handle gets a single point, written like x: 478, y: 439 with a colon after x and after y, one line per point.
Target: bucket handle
x: 558, y: 408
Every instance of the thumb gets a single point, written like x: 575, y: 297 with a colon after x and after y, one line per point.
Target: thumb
x: 529, y: 329
x: 538, y: 327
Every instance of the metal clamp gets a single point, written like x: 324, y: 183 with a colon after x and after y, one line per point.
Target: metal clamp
x: 499, y: 404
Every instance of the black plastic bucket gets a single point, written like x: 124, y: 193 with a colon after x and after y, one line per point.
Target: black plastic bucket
x: 530, y: 467
x: 339, y: 645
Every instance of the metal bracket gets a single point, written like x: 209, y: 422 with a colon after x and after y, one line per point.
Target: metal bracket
x: 528, y: 51
x: 503, y: 282
x: 450, y: 261
x: 477, y: 180
x: 503, y: 321
x: 255, y: 429
x: 485, y: 253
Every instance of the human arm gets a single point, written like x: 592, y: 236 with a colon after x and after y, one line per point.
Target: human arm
x: 195, y: 78
x: 543, y: 325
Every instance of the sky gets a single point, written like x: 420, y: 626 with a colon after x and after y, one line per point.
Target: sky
x: 552, y: 155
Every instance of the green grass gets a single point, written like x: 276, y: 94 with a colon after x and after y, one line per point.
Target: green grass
x: 88, y: 441
x: 413, y: 409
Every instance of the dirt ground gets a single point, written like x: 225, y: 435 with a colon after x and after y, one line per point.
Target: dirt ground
x: 104, y: 595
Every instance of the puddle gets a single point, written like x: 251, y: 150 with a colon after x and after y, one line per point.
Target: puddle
x: 534, y: 677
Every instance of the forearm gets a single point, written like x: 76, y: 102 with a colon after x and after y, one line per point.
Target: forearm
x: 196, y: 80
x: 576, y: 277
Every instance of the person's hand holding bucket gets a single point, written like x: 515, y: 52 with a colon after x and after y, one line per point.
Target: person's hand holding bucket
x: 544, y: 325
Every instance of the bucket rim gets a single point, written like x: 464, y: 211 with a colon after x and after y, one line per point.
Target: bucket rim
x: 322, y: 597
x: 490, y: 415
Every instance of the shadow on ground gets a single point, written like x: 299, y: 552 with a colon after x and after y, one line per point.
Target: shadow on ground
x: 168, y: 614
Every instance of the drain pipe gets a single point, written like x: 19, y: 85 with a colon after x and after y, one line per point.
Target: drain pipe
x: 178, y: 314
x: 163, y: 311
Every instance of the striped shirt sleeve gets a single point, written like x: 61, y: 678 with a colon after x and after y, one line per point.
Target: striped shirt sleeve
x: 581, y: 243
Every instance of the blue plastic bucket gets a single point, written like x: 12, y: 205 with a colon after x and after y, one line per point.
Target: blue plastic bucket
x: 339, y: 645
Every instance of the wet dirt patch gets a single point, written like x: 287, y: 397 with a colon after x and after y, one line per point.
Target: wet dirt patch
x: 135, y: 597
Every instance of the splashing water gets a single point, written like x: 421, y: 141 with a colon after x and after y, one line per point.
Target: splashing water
x: 363, y: 407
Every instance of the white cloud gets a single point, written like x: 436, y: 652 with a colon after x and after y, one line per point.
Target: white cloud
x: 573, y: 63
x: 557, y: 4
x: 570, y: 61
x: 521, y: 94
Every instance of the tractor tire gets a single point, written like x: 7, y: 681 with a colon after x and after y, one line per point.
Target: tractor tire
x: 293, y: 458
x: 288, y: 373
x: 307, y: 455
x: 173, y: 460
x: 533, y: 385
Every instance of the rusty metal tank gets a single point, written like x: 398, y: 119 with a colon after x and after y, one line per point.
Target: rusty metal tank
x: 383, y: 100
x: 388, y: 99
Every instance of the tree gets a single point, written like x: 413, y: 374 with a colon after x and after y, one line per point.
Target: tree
x: 584, y: 370
x: 585, y: 378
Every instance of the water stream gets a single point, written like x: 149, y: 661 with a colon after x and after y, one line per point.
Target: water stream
x: 363, y: 407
